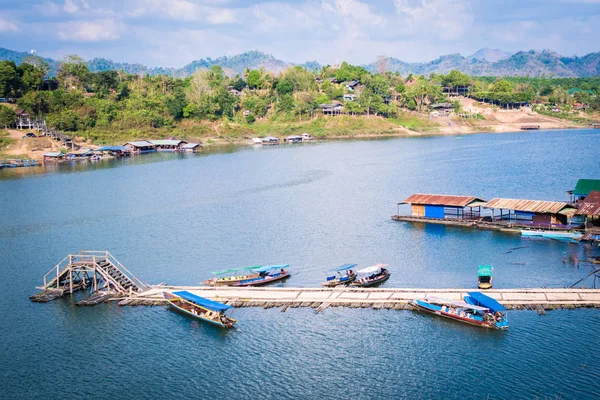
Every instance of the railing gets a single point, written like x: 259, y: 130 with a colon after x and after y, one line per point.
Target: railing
x: 92, y: 257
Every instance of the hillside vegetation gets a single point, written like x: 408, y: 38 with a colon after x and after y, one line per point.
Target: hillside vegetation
x: 114, y: 106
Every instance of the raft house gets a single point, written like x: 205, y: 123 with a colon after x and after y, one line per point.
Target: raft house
x: 116, y: 151
x: 582, y: 190
x: 142, y: 146
x: 168, y: 144
x: 440, y: 206
x: 54, y: 156
x: 496, y: 214
x: 192, y: 147
x: 589, y: 210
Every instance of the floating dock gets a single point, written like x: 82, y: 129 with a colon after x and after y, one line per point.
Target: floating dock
x: 106, y: 279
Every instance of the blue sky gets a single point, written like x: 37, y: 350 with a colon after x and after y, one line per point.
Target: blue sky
x: 175, y: 32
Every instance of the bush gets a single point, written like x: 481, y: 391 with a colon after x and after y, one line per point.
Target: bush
x: 250, y: 119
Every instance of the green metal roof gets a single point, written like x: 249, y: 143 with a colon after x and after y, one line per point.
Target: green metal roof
x: 484, y: 270
x: 585, y: 186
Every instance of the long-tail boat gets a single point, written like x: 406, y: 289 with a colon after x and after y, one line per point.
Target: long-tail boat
x: 371, y: 276
x: 200, y: 308
x: 343, y: 275
x: 477, y: 309
x: 267, y: 274
x: 232, y: 276
x: 484, y: 276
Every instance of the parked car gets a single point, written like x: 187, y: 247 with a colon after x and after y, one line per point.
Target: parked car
x: 29, y: 135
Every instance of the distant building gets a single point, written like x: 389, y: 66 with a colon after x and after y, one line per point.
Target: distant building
x: 142, y: 146
x: 349, y: 97
x: 331, y: 109
x: 168, y: 144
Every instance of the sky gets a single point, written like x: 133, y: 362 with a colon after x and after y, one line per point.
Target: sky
x: 172, y: 33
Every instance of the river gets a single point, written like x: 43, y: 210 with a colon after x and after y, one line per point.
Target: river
x: 174, y: 218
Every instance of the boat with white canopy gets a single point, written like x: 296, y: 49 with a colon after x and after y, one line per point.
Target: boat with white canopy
x: 371, y: 276
x: 267, y: 274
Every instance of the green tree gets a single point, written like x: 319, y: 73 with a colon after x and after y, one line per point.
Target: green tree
x: 254, y: 79
x: 7, y: 116
x: 285, y: 86
x: 9, y: 78
x: 502, y: 86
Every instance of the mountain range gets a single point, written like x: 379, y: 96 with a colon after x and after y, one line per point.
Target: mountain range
x: 485, y: 62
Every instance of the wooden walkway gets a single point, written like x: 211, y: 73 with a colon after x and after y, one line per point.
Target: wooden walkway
x: 394, y: 298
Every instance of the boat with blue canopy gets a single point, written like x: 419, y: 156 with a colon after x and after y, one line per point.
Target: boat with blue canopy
x: 476, y: 309
x: 232, y: 276
x: 372, y: 276
x: 267, y: 274
x: 343, y: 275
x: 201, y: 308
x: 484, y: 276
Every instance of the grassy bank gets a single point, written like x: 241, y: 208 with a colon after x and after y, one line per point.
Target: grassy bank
x: 232, y: 131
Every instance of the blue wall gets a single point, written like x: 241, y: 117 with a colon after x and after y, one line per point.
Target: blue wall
x: 434, y: 211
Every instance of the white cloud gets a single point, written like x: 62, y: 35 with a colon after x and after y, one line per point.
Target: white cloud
x: 184, y: 10
x: 6, y: 26
x: 446, y: 19
x: 89, y: 31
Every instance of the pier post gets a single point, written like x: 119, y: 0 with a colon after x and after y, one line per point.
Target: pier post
x: 71, y: 280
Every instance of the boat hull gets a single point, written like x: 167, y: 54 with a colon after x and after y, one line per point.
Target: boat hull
x: 171, y: 299
x: 373, y: 282
x: 261, y: 282
x: 552, y: 235
x: 431, y: 309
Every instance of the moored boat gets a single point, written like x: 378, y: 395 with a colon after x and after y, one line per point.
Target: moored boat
x: 343, y: 275
x: 477, y: 309
x: 200, y: 308
x: 267, y: 274
x: 371, y: 276
x: 484, y: 276
x: 232, y: 276
x: 556, y: 235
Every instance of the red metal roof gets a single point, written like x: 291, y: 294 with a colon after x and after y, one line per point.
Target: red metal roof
x: 591, y: 204
x: 533, y: 206
x: 442, y: 200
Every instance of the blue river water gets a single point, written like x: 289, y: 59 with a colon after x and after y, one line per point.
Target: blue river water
x: 175, y: 218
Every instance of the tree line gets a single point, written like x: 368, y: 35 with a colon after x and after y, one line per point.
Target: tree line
x: 79, y: 100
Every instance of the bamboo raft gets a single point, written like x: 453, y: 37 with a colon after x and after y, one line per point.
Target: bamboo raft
x: 393, y: 298
x: 106, y: 279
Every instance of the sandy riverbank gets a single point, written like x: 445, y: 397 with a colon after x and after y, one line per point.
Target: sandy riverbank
x: 496, y: 121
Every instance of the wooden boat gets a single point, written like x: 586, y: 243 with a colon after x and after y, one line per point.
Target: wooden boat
x: 343, y: 275
x: 477, y: 309
x: 484, y: 276
x: 372, y: 276
x: 556, y: 235
x: 200, y: 308
x: 266, y: 275
x: 232, y: 276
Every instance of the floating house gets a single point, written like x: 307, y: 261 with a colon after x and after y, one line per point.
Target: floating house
x: 582, y: 189
x: 293, y: 139
x: 531, y: 212
x: 117, y: 151
x: 142, y: 146
x: 168, y: 144
x: 82, y: 154
x: 53, y: 157
x: 444, y: 206
x: 191, y: 147
x: 589, y: 209
x: 270, y: 141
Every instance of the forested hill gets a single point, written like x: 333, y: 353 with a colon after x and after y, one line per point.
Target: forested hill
x: 485, y: 62
x: 523, y: 63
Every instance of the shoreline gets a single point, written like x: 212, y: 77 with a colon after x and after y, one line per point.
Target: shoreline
x: 21, y: 149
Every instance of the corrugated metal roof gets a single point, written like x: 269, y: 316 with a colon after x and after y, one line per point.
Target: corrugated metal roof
x: 111, y: 148
x: 167, y: 142
x: 53, y: 154
x: 441, y: 200
x: 190, y: 145
x: 534, y: 206
x: 142, y: 143
x: 585, y: 186
x: 591, y: 204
